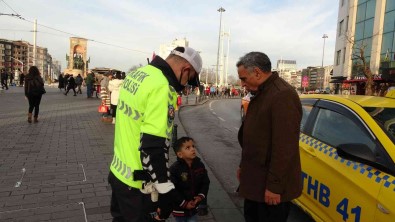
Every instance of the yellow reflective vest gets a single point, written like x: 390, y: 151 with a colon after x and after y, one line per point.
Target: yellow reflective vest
x: 146, y: 105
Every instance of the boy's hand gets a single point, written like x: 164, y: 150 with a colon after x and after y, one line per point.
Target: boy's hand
x: 191, y: 205
x: 197, y: 200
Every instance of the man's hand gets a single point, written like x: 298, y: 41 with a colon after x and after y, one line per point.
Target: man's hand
x: 272, y: 198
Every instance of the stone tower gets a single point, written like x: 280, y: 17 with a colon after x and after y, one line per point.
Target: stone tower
x: 77, y: 61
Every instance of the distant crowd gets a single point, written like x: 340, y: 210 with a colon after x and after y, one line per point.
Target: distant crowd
x: 212, y: 91
x: 16, y: 78
x: 106, y: 85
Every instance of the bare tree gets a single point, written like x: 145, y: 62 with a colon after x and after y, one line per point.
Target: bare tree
x: 208, y: 74
x: 135, y: 67
x: 232, y: 80
x: 360, y: 63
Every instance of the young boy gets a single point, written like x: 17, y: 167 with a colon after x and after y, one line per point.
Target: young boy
x: 190, y: 179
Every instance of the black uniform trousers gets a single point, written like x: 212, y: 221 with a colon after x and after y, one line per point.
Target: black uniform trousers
x: 128, y: 203
x: 261, y: 212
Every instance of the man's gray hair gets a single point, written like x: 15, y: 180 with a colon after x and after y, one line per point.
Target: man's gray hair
x: 255, y: 59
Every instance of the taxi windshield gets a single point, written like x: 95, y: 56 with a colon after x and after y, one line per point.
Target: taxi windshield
x: 385, y: 117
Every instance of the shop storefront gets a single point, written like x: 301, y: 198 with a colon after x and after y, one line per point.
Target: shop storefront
x: 356, y: 85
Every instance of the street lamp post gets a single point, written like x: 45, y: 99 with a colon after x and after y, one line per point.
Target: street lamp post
x: 19, y: 62
x: 325, y: 36
x: 17, y: 77
x: 220, y: 10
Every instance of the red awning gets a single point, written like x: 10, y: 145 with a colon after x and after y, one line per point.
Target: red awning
x: 363, y: 80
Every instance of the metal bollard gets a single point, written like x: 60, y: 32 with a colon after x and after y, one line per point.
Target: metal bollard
x: 174, y: 135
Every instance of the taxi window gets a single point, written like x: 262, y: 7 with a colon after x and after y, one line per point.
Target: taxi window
x: 306, y: 112
x: 385, y: 117
x: 334, y: 128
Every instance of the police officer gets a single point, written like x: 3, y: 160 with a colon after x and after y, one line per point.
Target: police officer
x: 143, y: 130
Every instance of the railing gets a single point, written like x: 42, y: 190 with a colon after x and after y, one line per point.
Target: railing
x: 188, y: 100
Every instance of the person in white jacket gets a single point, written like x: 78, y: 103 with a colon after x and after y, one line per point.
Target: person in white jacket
x: 114, y: 86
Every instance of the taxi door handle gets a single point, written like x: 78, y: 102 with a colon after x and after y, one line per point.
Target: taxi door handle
x: 310, y: 151
x: 382, y: 209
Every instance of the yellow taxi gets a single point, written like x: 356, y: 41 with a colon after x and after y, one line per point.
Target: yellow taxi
x: 347, y: 148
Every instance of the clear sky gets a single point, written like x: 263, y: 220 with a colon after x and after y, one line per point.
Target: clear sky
x: 287, y: 29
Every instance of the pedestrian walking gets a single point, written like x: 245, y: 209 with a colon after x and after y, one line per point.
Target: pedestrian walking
x: 114, y: 87
x: 4, y: 79
x: 78, y: 82
x: 89, y: 85
x: 70, y: 85
x: 270, y: 170
x: 34, y: 89
x: 66, y: 81
x: 11, y: 77
x: 190, y: 179
x: 60, y: 82
x: 22, y: 77
x: 17, y: 77
x: 147, y: 101
x: 105, y: 96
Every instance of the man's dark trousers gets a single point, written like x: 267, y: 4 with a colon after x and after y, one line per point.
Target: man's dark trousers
x: 261, y: 212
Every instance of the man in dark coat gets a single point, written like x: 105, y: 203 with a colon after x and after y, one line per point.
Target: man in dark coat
x: 71, y: 85
x: 21, y: 79
x: 270, y: 170
x: 4, y: 79
x: 60, y: 82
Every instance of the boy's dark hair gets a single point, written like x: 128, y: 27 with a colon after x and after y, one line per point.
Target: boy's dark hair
x: 179, y: 142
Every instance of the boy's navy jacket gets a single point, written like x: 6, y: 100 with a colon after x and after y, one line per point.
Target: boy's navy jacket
x: 189, y: 182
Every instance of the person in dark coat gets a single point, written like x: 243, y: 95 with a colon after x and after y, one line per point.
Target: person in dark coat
x: 78, y: 82
x: 21, y: 79
x: 4, y: 79
x: 60, y: 82
x: 89, y: 81
x: 34, y: 89
x: 190, y: 179
x: 65, y: 81
x: 71, y: 85
x: 270, y: 169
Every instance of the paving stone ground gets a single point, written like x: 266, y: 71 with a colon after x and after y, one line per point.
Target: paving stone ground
x: 55, y: 170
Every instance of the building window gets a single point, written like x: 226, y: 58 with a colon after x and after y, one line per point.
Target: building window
x: 338, y: 53
x: 344, y: 55
x: 361, y: 11
x: 370, y: 9
x: 390, y: 6
x: 389, y: 21
x: 340, y: 27
x: 347, y: 23
x: 368, y: 30
x: 387, y: 44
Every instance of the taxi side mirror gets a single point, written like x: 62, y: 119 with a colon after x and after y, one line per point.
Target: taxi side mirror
x: 356, y: 151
